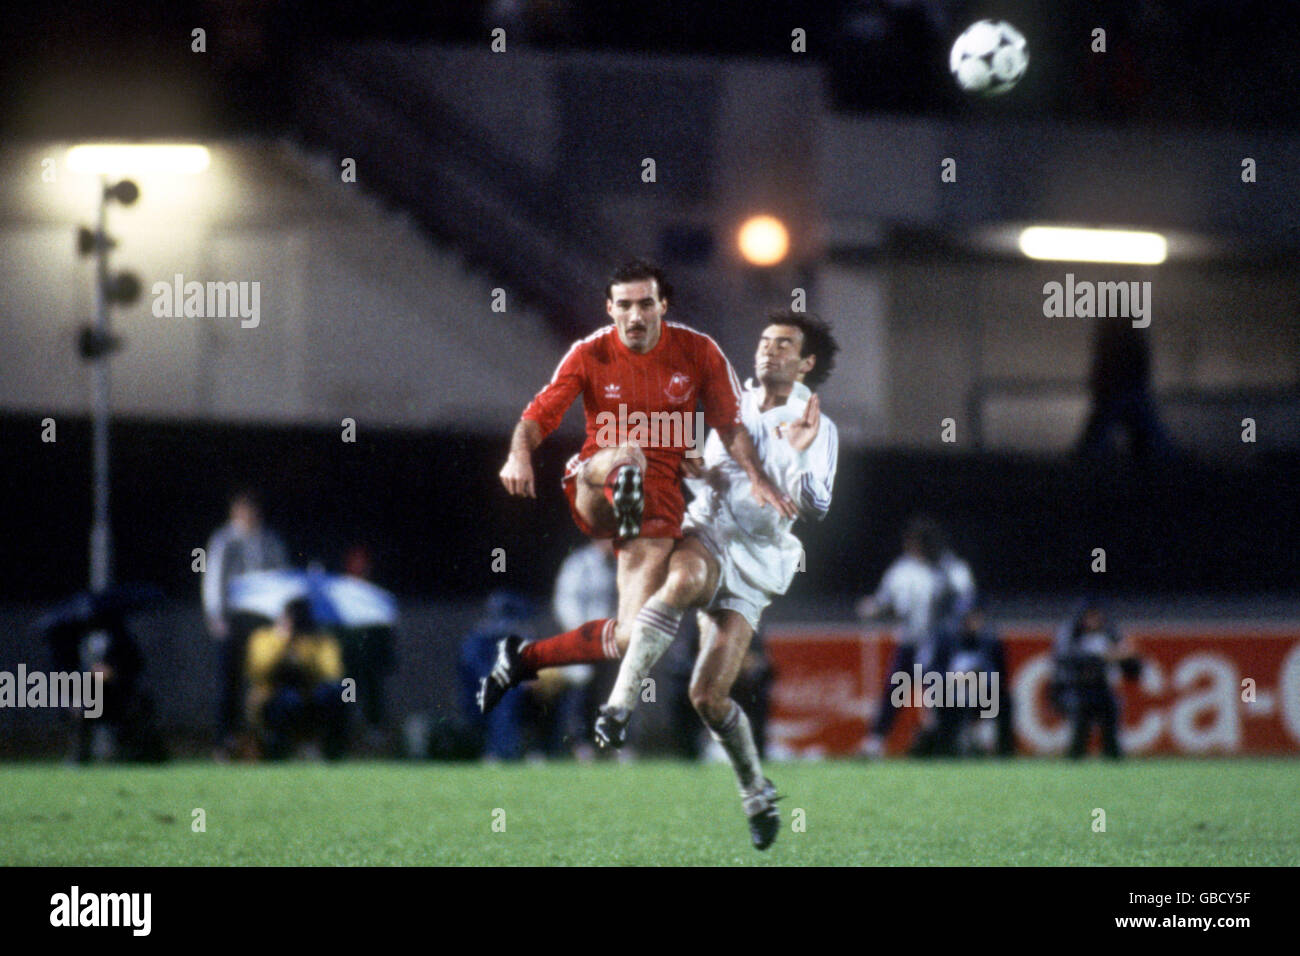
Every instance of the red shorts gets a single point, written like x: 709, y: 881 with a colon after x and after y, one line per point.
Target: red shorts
x: 664, y: 503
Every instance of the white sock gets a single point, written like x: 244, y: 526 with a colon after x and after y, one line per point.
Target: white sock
x: 737, y: 739
x: 653, y: 631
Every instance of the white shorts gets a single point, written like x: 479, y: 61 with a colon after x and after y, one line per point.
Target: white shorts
x: 734, y: 592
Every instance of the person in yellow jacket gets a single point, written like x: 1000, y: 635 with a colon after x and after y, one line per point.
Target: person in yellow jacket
x: 294, y: 675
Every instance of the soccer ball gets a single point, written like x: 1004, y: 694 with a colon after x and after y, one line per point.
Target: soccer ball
x: 989, y: 57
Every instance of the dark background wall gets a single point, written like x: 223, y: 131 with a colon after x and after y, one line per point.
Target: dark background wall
x: 429, y: 507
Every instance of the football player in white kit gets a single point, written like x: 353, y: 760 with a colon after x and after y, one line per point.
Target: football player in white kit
x: 735, y: 556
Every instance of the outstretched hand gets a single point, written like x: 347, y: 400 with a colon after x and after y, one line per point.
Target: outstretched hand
x: 692, y: 467
x: 769, y: 494
x: 802, y: 432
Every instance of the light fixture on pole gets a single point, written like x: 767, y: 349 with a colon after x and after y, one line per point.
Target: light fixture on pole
x: 1074, y: 244
x: 96, y: 343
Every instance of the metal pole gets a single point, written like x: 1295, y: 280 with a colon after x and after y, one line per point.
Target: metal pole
x: 100, y: 539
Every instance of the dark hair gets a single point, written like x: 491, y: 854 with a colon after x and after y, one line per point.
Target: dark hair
x: 817, y: 340
x: 248, y: 496
x: 301, y: 619
x: 638, y: 270
x: 928, y: 535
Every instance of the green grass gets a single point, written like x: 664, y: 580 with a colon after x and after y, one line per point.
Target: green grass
x: 1033, y: 812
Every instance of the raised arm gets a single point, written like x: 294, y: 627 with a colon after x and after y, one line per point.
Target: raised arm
x: 740, y: 446
x: 214, y: 598
x: 817, y: 448
x: 517, y: 475
x: 542, y: 416
x: 721, y: 398
x: 879, y: 605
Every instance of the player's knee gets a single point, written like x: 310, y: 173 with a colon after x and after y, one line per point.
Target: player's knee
x: 687, y: 581
x: 594, y: 509
x: 710, y: 700
x: 595, y: 470
x: 634, y: 454
x: 646, y: 561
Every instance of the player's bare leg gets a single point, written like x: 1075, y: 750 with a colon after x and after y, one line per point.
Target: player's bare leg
x: 642, y: 568
x: 692, y: 576
x: 725, y: 637
x: 608, y: 492
x: 599, y: 498
x: 608, y: 496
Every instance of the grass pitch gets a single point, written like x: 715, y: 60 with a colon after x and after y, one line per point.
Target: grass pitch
x: 1031, y: 812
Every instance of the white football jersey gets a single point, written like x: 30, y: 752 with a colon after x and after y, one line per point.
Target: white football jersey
x: 960, y: 589
x: 911, y: 589
x: 767, y: 553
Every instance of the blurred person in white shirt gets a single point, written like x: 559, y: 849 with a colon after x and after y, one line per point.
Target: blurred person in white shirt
x: 585, y: 590
x: 926, y: 589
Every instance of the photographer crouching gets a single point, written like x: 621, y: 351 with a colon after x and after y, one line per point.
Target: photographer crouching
x: 294, y: 674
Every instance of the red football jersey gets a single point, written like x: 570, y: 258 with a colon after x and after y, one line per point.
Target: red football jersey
x: 684, y: 368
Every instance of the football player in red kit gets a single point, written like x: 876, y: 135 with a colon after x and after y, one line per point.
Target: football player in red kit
x: 625, y: 483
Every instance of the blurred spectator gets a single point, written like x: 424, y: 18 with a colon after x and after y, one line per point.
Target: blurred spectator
x: 1120, y: 383
x: 501, y: 731
x: 103, y: 644
x: 367, y: 654
x: 1088, y: 649
x: 974, y: 648
x: 295, y: 690
x: 956, y: 593
x: 923, y: 589
x: 242, y: 544
x: 585, y: 590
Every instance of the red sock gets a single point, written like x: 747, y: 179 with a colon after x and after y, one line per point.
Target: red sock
x: 593, y: 641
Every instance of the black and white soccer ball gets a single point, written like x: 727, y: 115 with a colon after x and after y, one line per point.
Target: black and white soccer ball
x: 989, y: 57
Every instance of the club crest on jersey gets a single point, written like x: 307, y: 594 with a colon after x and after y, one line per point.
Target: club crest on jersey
x: 679, y: 388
